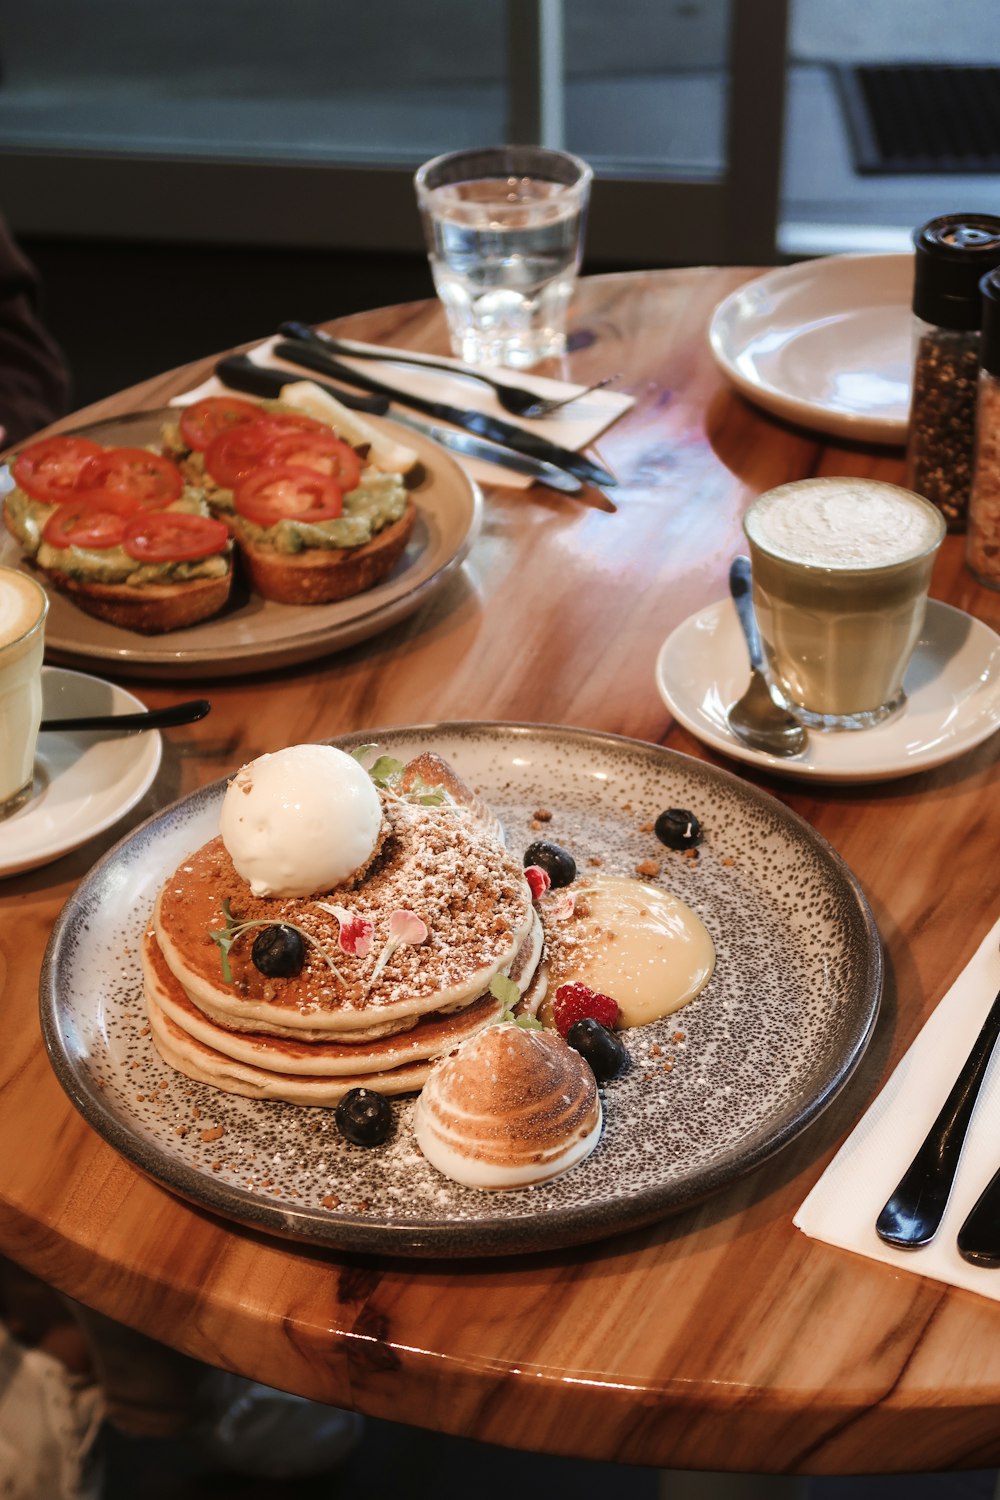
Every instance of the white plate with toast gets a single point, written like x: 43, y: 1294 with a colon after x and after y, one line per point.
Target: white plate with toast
x: 253, y: 634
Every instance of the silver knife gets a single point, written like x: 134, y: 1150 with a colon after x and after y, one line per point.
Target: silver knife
x: 242, y: 374
x: 471, y: 446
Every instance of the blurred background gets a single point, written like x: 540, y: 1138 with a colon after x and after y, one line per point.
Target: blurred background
x: 185, y: 176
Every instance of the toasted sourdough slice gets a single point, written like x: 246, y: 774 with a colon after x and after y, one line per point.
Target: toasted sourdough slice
x: 150, y: 609
x: 321, y: 575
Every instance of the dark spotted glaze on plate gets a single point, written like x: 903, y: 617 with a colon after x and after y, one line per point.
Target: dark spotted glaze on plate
x: 712, y: 1092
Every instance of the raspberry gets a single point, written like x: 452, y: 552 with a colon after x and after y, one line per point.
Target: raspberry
x: 538, y: 879
x: 576, y: 1000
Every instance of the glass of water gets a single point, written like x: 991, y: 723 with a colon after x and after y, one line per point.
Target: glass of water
x: 504, y: 230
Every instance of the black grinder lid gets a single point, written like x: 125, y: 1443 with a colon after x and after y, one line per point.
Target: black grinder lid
x: 952, y: 254
x: 989, y: 349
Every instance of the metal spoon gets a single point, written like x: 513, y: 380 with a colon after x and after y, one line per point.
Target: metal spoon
x: 756, y: 718
x: 151, y: 718
x: 513, y: 398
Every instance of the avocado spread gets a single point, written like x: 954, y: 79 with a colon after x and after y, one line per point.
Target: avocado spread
x: 27, y: 519
x: 378, y: 501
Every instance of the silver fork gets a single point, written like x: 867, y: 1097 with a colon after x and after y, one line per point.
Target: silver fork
x: 513, y: 398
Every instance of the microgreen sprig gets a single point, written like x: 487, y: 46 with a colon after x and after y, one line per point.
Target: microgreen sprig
x: 234, y: 929
x: 387, y: 773
x: 507, y: 992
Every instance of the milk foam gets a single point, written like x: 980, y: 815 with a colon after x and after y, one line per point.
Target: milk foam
x: 21, y: 604
x: 844, y: 523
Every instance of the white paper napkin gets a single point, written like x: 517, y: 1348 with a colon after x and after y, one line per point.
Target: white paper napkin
x: 844, y: 1204
x: 573, y: 427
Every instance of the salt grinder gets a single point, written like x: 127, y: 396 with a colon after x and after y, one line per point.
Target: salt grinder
x: 952, y: 254
x: 983, y: 540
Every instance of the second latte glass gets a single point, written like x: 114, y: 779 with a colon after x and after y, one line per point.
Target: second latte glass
x: 841, y: 569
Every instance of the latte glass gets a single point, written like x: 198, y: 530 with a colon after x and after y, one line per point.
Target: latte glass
x: 841, y: 569
x: 504, y: 231
x: 23, y: 607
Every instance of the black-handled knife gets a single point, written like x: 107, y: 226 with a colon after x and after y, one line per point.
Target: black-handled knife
x: 491, y: 428
x: 241, y: 374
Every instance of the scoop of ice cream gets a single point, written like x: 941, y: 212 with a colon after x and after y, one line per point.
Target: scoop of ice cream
x: 300, y: 821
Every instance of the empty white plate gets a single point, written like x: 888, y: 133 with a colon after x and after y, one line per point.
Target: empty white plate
x: 824, y: 343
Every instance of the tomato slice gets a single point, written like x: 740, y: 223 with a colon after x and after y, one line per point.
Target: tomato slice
x: 47, y: 470
x: 146, y: 477
x: 173, y: 536
x: 235, y: 453
x: 204, y: 420
x: 324, y: 452
x: 270, y: 495
x: 94, y: 520
x: 292, y: 421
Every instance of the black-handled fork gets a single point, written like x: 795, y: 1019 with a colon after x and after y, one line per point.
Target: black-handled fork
x: 913, y: 1214
x: 516, y: 399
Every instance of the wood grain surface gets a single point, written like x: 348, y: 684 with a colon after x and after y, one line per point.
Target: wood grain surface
x: 721, y: 1338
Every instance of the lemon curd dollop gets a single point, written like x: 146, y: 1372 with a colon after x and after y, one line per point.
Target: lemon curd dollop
x: 634, y: 941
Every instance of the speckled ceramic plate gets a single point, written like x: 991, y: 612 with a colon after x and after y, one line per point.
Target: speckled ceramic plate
x: 765, y: 1047
x: 253, y: 634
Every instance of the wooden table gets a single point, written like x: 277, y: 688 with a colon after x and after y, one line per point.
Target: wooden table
x: 721, y: 1338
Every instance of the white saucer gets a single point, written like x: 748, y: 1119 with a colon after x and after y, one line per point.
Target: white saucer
x: 952, y: 686
x: 84, y: 781
x: 825, y: 343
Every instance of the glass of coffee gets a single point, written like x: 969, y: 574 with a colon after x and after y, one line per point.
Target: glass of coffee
x: 841, y: 569
x: 23, y: 607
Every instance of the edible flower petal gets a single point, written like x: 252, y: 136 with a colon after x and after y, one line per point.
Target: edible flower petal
x: 404, y: 927
x: 356, y: 933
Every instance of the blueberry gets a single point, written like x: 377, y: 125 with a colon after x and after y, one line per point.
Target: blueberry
x: 279, y: 952
x: 558, y: 864
x: 678, y: 828
x: 599, y: 1047
x: 364, y: 1117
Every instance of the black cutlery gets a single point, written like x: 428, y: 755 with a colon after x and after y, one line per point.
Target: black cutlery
x: 241, y: 374
x: 913, y: 1214
x: 150, y: 718
x: 492, y: 428
x: 516, y: 399
x: 979, y: 1236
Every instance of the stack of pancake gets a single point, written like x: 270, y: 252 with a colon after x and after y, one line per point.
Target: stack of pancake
x: 344, y: 1022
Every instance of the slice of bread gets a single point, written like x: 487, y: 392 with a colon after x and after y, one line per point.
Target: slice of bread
x: 320, y: 575
x: 150, y: 609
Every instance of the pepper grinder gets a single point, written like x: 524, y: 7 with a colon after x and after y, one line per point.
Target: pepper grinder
x: 952, y: 254
x: 983, y: 540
